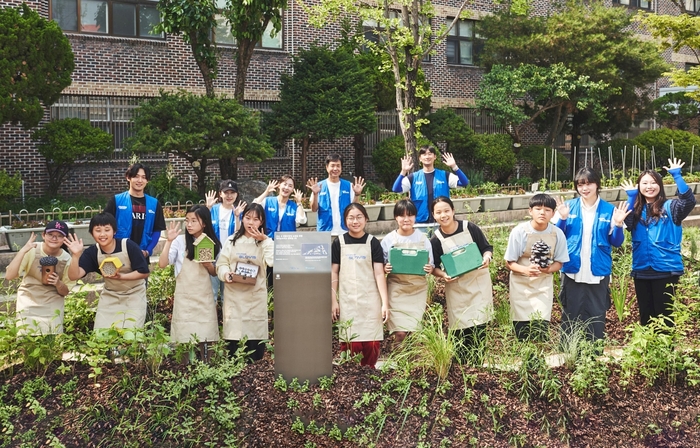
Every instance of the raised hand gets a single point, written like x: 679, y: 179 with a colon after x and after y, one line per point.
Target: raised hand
x: 29, y: 245
x: 620, y: 213
x: 562, y: 208
x: 74, y: 244
x: 239, y: 209
x: 406, y: 165
x: 628, y: 185
x: 313, y: 185
x: 673, y: 164
x: 449, y: 160
x: 174, y: 230
x: 358, y: 185
x: 210, y: 198
x: 256, y: 234
x: 298, y: 196
x: 271, y: 186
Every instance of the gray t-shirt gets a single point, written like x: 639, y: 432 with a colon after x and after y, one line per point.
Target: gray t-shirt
x: 518, y: 240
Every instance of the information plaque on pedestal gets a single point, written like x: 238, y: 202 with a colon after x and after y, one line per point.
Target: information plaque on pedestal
x: 302, y: 304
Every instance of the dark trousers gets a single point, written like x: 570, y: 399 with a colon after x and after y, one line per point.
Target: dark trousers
x: 584, y: 302
x: 254, y: 347
x: 471, y: 343
x: 369, y: 350
x: 536, y: 330
x: 655, y: 298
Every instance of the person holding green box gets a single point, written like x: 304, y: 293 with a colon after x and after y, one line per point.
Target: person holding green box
x: 469, y: 296
x: 408, y: 293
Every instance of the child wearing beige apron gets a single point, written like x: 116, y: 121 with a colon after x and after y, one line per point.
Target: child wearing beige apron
x: 469, y: 297
x: 362, y: 299
x: 194, y: 309
x: 245, y: 304
x: 531, y: 284
x: 408, y: 293
x: 45, y: 282
x: 122, y: 301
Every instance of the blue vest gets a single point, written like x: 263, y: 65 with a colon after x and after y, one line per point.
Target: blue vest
x: 419, y: 191
x: 325, y: 214
x: 272, y: 216
x: 657, y: 245
x: 601, y: 250
x: 125, y: 217
x: 215, y: 222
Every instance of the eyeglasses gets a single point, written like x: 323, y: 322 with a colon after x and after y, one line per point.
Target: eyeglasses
x: 357, y: 218
x: 54, y: 236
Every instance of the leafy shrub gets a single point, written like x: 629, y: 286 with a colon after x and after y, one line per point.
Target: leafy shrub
x: 386, y: 159
x: 534, y: 155
x: 660, y: 141
x: 166, y: 188
x: 494, y: 152
x: 448, y: 127
x: 10, y: 185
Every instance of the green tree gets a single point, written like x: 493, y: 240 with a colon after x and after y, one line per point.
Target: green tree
x: 676, y: 110
x: 494, y: 153
x: 36, y: 63
x: 407, y: 39
x: 445, y: 126
x: 517, y: 96
x: 328, y: 96
x: 64, y: 142
x: 199, y: 129
x: 589, y: 39
x: 194, y: 20
x: 677, y: 32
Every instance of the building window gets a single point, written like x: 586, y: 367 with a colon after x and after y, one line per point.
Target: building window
x: 111, y: 114
x: 371, y: 29
x: 692, y: 6
x: 463, y: 43
x: 223, y: 36
x: 128, y: 18
x: 641, y: 4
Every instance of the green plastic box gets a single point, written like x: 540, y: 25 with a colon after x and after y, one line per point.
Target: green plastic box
x: 462, y: 260
x: 408, y: 261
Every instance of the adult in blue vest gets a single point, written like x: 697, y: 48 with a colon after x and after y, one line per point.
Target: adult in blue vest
x: 281, y: 214
x: 139, y: 216
x: 655, y: 224
x: 331, y: 196
x: 428, y: 183
x: 592, y: 227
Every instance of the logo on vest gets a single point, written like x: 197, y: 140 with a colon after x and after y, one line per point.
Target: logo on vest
x: 353, y: 257
x: 121, y: 207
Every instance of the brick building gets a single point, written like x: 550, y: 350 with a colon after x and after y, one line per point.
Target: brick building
x: 118, y: 63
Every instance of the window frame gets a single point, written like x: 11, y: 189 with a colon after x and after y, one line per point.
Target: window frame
x: 635, y: 4
x: 110, y: 19
x: 474, y: 39
x: 259, y: 44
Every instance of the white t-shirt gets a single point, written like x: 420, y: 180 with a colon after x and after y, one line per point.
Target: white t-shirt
x: 225, y: 216
x: 337, y: 213
x: 177, y: 253
x: 393, y: 238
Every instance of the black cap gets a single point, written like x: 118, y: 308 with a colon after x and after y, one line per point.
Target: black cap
x: 228, y: 185
x: 57, y: 226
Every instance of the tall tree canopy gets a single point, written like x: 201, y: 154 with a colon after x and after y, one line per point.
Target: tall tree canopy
x: 199, y: 129
x: 327, y: 96
x: 36, y: 63
x: 678, y: 33
x: 590, y: 39
x: 407, y: 37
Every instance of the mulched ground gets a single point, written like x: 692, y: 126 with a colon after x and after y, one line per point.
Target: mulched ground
x: 480, y: 411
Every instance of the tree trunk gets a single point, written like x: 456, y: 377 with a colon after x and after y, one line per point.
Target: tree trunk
x: 243, y: 57
x: 304, y: 156
x: 359, y: 144
x: 201, y: 173
x: 410, y: 113
x: 204, y: 69
x: 228, y: 167
x: 575, y: 143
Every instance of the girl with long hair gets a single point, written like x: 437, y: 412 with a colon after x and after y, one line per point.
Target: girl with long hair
x: 656, y: 229
x: 358, y: 286
x: 281, y: 214
x: 248, y: 252
x: 194, y: 310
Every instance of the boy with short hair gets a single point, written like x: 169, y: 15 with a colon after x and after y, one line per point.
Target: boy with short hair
x: 123, y: 299
x: 536, y: 249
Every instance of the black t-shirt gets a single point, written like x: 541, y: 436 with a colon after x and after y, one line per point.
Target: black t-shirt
x: 88, y: 259
x: 138, y: 217
x: 377, y: 251
x: 477, y: 236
